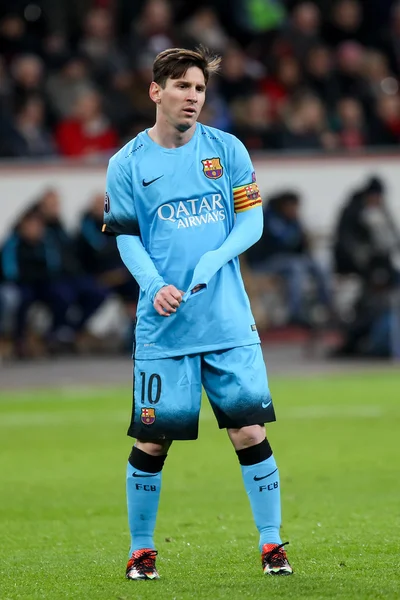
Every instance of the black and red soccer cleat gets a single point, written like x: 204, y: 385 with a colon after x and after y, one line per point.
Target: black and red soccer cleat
x: 142, y: 565
x: 274, y: 560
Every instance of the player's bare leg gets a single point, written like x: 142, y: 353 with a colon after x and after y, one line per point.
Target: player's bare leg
x: 143, y: 484
x: 261, y: 479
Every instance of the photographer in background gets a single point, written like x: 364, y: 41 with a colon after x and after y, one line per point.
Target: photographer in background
x: 365, y: 232
x: 369, y: 332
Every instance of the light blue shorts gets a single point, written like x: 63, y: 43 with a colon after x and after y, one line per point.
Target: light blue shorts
x: 167, y: 393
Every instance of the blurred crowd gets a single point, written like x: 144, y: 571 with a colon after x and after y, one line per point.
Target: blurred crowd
x: 73, y: 274
x: 297, y: 74
x: 364, y: 249
x: 70, y: 274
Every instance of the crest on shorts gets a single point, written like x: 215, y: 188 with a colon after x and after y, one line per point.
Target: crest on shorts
x: 148, y: 416
x: 106, y: 203
x: 212, y: 168
x: 252, y: 191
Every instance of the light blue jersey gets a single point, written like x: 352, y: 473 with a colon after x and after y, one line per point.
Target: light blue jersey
x: 182, y: 203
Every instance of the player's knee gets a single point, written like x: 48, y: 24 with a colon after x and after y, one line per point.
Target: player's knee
x: 246, y: 437
x: 142, y: 459
x: 154, y: 448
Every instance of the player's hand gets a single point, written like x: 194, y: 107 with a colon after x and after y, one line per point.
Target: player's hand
x: 167, y: 300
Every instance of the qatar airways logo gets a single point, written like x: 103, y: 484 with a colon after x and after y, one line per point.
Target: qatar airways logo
x: 193, y: 213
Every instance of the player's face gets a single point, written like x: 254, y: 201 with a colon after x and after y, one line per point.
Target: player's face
x: 181, y: 100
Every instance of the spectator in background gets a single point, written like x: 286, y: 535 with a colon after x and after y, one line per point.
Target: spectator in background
x: 28, y: 75
x: 305, y: 126
x: 346, y: 23
x: 254, y: 124
x: 385, y: 126
x: 80, y: 289
x: 65, y: 16
x: 283, y: 82
x: 153, y: 32
x: 127, y: 13
x: 365, y: 232
x: 378, y: 76
x: 98, y: 45
x: 35, y: 140
x: 388, y: 39
x: 138, y: 93
x: 350, y: 74
x: 284, y: 250
x: 203, y: 27
x: 100, y: 258
x: 48, y: 206
x: 118, y: 103
x: 235, y: 80
x: 27, y: 134
x: 320, y: 76
x: 15, y: 38
x: 351, y: 128
x: 32, y: 263
x: 303, y: 31
x: 66, y: 84
x: 88, y: 131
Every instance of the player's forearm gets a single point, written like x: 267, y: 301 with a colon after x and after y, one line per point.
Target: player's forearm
x: 139, y: 264
x: 245, y: 233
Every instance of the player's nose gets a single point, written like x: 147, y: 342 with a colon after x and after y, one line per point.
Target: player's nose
x: 192, y: 95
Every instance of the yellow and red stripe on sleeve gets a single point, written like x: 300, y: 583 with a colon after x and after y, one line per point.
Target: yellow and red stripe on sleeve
x: 246, y: 197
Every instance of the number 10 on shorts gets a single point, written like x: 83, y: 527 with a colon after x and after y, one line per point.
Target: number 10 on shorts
x: 151, y: 388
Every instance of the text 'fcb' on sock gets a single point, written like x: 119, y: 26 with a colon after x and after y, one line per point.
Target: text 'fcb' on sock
x: 143, y: 486
x: 261, y: 481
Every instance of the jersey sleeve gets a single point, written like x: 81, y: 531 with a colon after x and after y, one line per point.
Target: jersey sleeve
x: 246, y: 194
x: 119, y: 204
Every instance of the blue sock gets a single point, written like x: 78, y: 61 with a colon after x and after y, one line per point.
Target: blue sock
x: 261, y: 481
x: 143, y: 495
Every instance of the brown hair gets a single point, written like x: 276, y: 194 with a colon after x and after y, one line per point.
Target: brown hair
x: 174, y: 62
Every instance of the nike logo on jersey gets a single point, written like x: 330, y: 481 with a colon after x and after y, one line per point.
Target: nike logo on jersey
x: 139, y: 475
x: 146, y: 183
x: 265, y: 404
x: 265, y: 476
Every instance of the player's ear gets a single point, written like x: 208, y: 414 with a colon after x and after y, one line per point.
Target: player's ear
x: 155, y: 92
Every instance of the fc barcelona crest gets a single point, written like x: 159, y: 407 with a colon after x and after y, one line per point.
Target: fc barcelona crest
x: 148, y: 416
x: 251, y: 191
x: 212, y: 168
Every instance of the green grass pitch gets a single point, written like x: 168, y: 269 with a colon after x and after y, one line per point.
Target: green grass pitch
x: 63, y: 531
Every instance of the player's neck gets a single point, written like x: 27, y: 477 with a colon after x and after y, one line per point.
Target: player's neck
x: 167, y: 136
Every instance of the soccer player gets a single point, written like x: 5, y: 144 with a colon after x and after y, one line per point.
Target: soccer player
x: 183, y: 201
